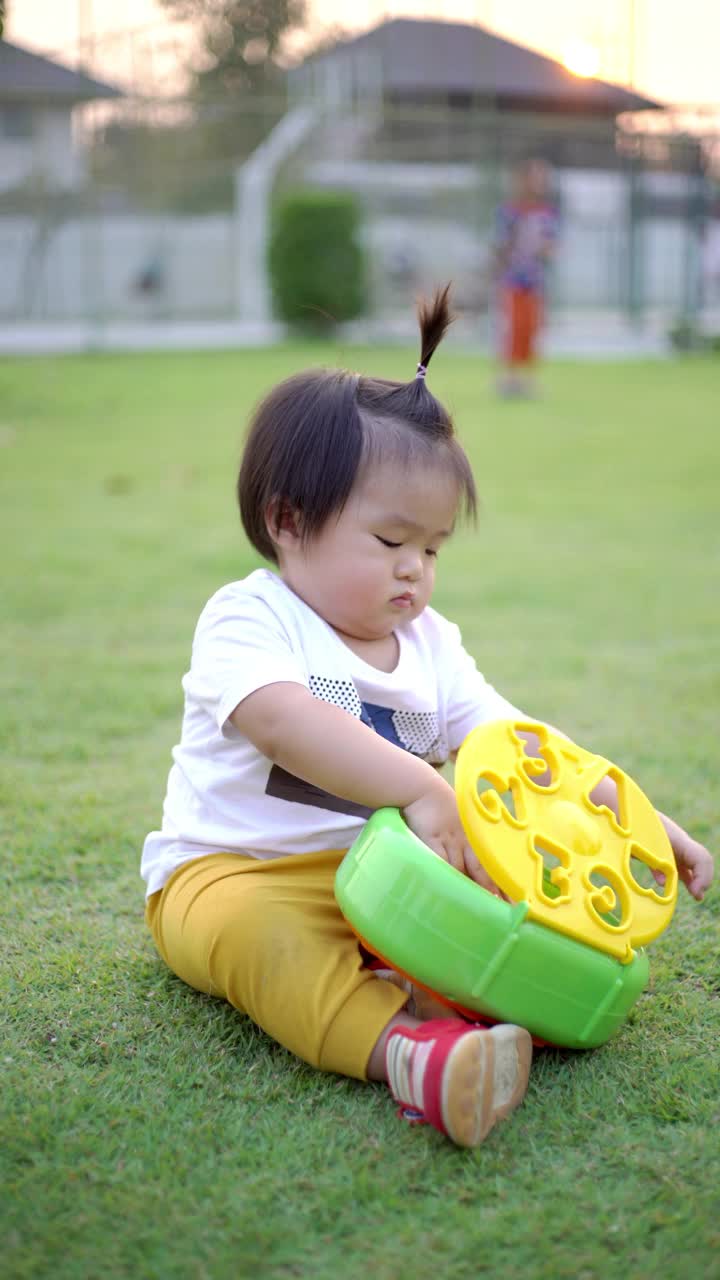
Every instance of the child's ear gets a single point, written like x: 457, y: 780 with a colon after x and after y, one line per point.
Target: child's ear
x: 282, y: 523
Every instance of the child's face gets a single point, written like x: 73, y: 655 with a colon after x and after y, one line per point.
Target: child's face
x: 373, y: 567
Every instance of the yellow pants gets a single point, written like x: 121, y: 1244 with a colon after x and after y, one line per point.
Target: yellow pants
x: 270, y: 938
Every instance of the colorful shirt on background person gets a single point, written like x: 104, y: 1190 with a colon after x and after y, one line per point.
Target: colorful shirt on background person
x: 525, y: 237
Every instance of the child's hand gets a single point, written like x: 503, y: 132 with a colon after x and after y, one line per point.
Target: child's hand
x: 694, y: 861
x: 435, y: 820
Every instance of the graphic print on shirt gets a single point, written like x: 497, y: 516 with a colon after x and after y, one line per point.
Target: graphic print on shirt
x: 414, y: 731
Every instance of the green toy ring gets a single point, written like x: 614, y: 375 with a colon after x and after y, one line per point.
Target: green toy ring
x: 477, y: 951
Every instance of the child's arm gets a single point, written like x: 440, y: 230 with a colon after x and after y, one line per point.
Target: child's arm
x: 694, y: 862
x: 330, y: 749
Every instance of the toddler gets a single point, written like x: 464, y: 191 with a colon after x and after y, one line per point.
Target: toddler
x: 317, y: 693
x: 526, y: 233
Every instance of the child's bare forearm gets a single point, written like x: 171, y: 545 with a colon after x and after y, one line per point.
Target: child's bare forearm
x: 331, y: 749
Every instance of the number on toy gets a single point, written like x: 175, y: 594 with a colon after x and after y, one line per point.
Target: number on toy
x: 533, y: 823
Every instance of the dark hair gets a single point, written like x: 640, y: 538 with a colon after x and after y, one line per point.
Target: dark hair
x: 314, y: 432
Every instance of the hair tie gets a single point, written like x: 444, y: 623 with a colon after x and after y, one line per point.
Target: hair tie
x: 421, y: 371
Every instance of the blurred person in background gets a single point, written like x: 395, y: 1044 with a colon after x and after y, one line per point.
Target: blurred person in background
x: 525, y: 240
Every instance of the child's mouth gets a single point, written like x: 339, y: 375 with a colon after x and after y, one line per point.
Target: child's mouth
x: 404, y: 601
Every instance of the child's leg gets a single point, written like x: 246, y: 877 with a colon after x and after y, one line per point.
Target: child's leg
x: 524, y: 328
x: 533, y: 325
x: 514, y: 350
x: 270, y: 938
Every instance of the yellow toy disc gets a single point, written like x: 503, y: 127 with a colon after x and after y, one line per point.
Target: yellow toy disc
x: 608, y: 880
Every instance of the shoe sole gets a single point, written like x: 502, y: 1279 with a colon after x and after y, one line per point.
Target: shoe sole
x: 485, y: 1078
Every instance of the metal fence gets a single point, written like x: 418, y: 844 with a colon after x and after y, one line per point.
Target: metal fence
x: 159, y: 214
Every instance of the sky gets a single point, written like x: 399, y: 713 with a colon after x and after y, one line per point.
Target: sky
x: 672, y: 59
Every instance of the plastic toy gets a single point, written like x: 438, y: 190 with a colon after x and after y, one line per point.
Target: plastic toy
x: 587, y: 888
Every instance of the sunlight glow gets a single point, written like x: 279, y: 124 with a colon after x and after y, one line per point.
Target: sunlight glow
x: 582, y: 58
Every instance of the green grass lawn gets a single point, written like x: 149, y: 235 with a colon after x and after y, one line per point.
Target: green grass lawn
x: 150, y: 1132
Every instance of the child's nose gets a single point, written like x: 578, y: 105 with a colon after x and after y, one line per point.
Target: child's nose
x: 411, y: 566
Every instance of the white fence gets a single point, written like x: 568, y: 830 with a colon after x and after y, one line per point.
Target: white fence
x: 173, y: 267
x: 126, y: 266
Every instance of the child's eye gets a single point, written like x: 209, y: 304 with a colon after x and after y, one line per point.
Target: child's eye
x: 431, y: 551
x: 386, y: 541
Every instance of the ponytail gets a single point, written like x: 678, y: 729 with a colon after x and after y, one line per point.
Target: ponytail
x: 435, y: 318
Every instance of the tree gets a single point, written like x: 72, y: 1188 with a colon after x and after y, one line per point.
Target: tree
x: 241, y: 43
x: 238, y: 91
x: 237, y: 94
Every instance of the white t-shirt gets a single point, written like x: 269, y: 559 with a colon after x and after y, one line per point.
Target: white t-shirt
x: 224, y: 795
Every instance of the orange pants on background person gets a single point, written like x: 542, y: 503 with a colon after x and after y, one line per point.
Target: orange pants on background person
x: 522, y: 314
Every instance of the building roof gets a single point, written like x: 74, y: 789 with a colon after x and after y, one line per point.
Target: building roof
x: 27, y: 77
x: 424, y: 58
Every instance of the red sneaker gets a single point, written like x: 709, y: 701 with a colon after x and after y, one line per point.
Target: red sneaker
x: 458, y: 1077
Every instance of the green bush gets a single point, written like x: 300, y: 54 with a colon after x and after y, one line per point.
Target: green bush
x: 684, y: 334
x: 316, y: 261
